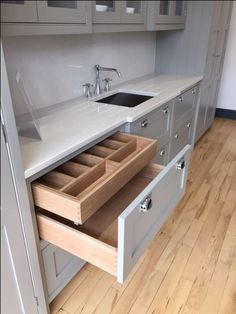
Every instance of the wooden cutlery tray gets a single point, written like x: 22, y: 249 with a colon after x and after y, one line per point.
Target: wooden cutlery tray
x: 78, y: 188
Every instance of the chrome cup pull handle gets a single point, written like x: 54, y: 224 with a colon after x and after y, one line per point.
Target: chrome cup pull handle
x: 144, y: 124
x: 180, y: 165
x: 146, y: 205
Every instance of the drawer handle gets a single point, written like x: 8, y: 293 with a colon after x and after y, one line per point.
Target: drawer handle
x: 176, y: 136
x: 180, y: 165
x: 181, y: 98
x: 193, y: 91
x: 162, y: 152
x: 166, y: 110
x: 188, y: 125
x: 146, y: 205
x: 144, y: 124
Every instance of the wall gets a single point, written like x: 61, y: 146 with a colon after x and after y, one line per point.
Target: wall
x: 184, y: 52
x: 226, y: 98
x: 46, y: 63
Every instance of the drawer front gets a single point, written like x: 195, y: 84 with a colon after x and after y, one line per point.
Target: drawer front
x: 137, y: 227
x: 162, y: 154
x: 181, y: 138
x: 183, y: 105
x: 155, y: 125
x: 59, y: 267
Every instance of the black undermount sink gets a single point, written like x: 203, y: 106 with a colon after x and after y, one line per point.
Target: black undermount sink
x: 124, y: 99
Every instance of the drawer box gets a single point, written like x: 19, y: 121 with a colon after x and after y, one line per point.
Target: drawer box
x: 76, y: 189
x: 116, y: 235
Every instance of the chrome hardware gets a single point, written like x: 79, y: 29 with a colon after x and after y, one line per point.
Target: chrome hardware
x: 181, y: 98
x: 98, y: 69
x: 87, y: 89
x: 165, y: 110
x: 188, y: 125
x: 107, y: 81
x: 176, y: 135
x: 180, y: 165
x: 146, y: 205
x: 162, y: 152
x: 144, y: 123
x: 193, y: 91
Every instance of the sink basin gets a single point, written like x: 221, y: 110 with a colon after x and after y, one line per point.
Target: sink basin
x: 125, y: 99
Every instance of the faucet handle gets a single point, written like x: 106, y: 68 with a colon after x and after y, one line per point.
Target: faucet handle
x: 107, y: 81
x: 87, y: 89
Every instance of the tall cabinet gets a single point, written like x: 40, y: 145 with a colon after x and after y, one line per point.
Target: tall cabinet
x: 199, y: 50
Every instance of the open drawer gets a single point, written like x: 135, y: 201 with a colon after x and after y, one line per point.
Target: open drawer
x: 79, y: 187
x: 117, y: 234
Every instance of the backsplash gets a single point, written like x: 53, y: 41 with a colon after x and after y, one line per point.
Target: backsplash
x: 54, y: 68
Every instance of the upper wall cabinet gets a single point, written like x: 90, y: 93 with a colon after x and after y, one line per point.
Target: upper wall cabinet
x: 164, y: 15
x: 62, y: 11
x: 45, y: 17
x: 18, y: 11
x: 112, y: 16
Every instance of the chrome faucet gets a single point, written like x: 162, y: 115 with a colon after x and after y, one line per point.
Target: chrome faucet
x: 98, y: 68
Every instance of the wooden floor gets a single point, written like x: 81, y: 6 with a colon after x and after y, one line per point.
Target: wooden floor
x: 190, y: 266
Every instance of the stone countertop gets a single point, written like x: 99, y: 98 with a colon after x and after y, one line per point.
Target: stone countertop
x: 84, y: 121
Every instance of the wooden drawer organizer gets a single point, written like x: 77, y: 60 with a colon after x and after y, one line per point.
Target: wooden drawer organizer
x: 78, y: 188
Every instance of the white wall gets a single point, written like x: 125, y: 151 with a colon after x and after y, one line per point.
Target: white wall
x: 226, y: 98
x: 45, y: 63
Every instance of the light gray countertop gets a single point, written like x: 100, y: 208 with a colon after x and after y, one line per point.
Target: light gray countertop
x: 83, y: 121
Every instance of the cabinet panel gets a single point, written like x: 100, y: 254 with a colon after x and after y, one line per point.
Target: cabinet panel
x: 18, y: 11
x: 73, y: 12
x: 60, y: 267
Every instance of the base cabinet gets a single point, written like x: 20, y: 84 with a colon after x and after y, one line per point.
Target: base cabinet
x: 60, y: 267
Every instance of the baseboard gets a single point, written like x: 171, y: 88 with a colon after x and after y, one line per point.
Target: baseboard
x: 225, y: 113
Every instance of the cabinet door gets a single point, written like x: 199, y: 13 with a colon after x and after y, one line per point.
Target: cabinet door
x: 165, y: 12
x: 106, y: 11
x: 17, y: 293
x: 73, y: 12
x: 133, y: 12
x: 18, y: 11
x: 179, y: 11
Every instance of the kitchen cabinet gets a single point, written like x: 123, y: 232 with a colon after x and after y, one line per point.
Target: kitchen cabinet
x: 213, y: 66
x: 166, y: 15
x: 46, y: 17
x: 18, y: 11
x: 16, y: 276
x: 115, y: 234
x: 72, y: 12
x: 112, y: 16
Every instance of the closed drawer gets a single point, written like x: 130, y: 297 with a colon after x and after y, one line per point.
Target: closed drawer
x: 116, y: 235
x: 162, y: 154
x: 181, y: 138
x: 184, y: 104
x: 76, y: 189
x: 155, y: 125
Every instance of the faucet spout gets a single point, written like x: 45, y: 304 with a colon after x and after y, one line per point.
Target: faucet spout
x: 99, y: 69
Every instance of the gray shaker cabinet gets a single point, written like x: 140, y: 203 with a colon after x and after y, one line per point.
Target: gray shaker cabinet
x: 16, y: 276
x: 72, y: 12
x: 18, y: 11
